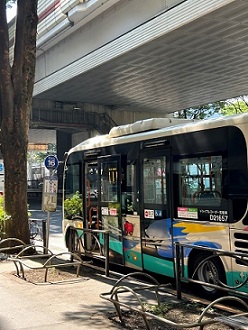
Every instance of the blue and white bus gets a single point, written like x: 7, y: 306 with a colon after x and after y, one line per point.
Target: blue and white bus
x: 160, y: 181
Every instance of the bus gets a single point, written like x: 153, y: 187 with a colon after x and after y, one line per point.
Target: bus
x: 160, y: 181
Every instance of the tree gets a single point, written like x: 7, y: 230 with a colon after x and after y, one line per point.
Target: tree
x: 201, y: 112
x: 234, y: 105
x: 226, y: 108
x: 16, y: 89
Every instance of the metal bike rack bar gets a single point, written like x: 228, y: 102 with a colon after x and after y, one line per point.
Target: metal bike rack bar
x: 93, y: 232
x: 214, y: 253
x: 7, y: 246
x: 46, y: 261
x: 120, y: 288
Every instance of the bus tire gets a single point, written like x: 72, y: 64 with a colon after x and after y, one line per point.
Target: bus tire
x: 210, y: 271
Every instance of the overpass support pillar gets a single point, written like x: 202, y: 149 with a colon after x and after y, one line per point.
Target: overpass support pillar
x: 64, y: 143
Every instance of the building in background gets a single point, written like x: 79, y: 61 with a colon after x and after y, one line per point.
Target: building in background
x: 42, y: 142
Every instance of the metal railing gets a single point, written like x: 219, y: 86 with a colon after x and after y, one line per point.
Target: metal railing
x: 35, y: 185
x: 79, y: 244
x: 237, y: 320
x: 213, y: 253
x: 134, y: 297
x: 72, y: 118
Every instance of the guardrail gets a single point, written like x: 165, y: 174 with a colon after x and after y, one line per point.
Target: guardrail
x: 213, y: 253
x: 125, y: 294
x: 79, y: 244
x: 237, y: 320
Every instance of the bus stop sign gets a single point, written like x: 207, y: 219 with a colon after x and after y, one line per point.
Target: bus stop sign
x: 51, y: 162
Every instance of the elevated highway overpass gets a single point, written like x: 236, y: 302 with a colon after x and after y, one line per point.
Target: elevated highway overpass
x: 134, y: 59
x: 146, y: 56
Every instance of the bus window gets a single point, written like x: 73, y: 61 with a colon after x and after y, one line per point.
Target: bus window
x: 128, y: 198
x: 200, y: 181
x: 91, y: 175
x: 154, y: 188
x: 91, y: 194
x: 73, y: 189
x: 109, y: 182
x: 72, y: 177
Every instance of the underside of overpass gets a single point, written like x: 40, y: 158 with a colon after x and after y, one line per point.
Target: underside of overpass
x: 186, y: 53
x: 192, y: 54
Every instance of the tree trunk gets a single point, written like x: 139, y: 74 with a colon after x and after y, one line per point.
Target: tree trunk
x: 14, y: 150
x: 16, y: 83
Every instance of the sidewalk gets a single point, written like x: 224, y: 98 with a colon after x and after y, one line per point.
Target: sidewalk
x: 73, y: 305
x: 64, y: 306
x: 70, y: 305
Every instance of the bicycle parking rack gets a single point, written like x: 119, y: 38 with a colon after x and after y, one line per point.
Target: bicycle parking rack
x: 238, y: 321
x: 214, y: 253
x: 46, y: 261
x: 103, y: 253
x: 6, y: 245
x: 235, y: 321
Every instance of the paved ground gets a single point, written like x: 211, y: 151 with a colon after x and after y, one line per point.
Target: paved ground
x: 70, y: 305
x: 74, y: 305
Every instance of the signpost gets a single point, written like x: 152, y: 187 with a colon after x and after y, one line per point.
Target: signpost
x: 50, y: 189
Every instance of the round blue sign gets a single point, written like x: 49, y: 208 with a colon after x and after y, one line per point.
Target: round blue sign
x: 51, y: 162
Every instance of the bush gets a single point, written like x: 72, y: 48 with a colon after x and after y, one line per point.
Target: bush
x: 73, y: 206
x: 3, y: 216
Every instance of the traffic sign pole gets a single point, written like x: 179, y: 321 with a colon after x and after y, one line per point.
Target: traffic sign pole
x: 50, y: 188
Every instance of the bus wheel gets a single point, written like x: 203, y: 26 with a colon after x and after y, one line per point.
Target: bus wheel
x: 208, y: 268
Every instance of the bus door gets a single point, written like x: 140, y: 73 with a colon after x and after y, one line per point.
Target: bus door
x: 109, y: 168
x: 91, y: 195
x: 130, y: 216
x: 155, y: 210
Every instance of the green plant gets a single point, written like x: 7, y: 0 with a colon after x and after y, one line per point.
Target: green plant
x: 184, y: 306
x: 3, y: 216
x: 73, y: 206
x: 159, y: 310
